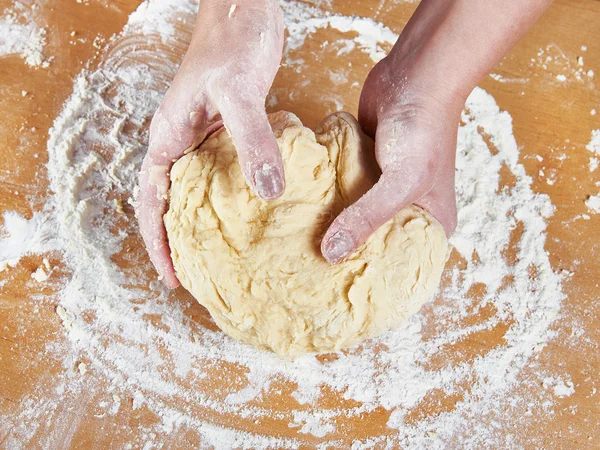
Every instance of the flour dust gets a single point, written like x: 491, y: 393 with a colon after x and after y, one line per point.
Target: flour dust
x: 20, y: 35
x: 131, y: 333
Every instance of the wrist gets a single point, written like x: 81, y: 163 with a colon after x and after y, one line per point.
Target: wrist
x: 412, y: 84
x: 438, y: 80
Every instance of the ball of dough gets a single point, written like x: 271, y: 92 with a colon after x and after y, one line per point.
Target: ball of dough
x: 256, y: 265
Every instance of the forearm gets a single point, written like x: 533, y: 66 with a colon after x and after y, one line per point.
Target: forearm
x: 225, y: 28
x: 453, y: 44
x: 217, y: 15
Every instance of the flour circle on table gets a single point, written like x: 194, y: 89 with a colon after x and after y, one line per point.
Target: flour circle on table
x: 143, y: 345
x: 257, y: 265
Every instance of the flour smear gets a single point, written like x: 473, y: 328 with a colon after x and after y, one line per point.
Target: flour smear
x: 143, y: 344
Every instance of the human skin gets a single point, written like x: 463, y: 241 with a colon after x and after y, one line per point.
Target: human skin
x: 410, y: 103
x: 224, y: 78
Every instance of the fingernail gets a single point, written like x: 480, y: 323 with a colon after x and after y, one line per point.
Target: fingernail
x: 338, y: 247
x: 268, y: 182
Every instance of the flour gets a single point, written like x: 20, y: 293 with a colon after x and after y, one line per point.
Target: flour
x: 594, y: 147
x: 95, y: 150
x: 21, y: 37
x: 312, y: 423
x: 559, y: 387
x: 553, y: 60
x: 20, y: 237
x: 594, y: 144
x: 593, y: 203
x: 40, y: 275
x: 502, y: 79
x: 371, y: 37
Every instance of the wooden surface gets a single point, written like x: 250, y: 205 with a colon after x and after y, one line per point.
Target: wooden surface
x: 550, y: 118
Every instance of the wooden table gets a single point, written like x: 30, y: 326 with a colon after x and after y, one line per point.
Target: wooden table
x: 550, y: 117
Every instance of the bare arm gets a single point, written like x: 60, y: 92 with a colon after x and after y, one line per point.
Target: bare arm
x: 224, y: 79
x: 411, y: 104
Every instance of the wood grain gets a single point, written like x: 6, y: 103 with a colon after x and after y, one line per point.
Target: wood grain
x: 550, y: 118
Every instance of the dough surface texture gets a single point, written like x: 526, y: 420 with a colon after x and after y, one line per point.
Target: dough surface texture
x: 256, y: 265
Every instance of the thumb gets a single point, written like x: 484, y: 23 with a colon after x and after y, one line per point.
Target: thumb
x: 360, y: 220
x: 257, y: 149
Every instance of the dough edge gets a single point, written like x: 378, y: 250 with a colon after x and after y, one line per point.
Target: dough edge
x: 378, y: 288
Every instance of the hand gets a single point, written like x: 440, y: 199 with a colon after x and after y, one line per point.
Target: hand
x: 411, y: 104
x: 224, y: 79
x: 415, y: 146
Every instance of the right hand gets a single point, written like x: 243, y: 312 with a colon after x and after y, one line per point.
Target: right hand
x: 415, y: 147
x: 224, y: 79
x: 411, y: 104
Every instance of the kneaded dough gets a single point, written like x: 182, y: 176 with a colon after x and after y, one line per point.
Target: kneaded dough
x: 256, y: 265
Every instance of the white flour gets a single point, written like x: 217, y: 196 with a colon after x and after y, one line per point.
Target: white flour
x: 302, y: 21
x: 594, y: 147
x: 501, y: 79
x: 21, y: 36
x: 557, y: 67
x: 593, y: 202
x: 23, y: 237
x: 95, y: 149
x: 559, y: 387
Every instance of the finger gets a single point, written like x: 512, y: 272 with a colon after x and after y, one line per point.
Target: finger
x: 257, y: 149
x: 170, y: 135
x: 151, y: 204
x: 358, y: 221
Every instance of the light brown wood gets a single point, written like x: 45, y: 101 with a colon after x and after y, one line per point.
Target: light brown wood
x: 550, y: 118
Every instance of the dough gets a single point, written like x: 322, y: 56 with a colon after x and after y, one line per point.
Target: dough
x: 256, y: 265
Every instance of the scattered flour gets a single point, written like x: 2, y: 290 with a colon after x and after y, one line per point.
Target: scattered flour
x: 559, y: 387
x: 40, y: 275
x: 553, y: 60
x: 593, y: 203
x: 594, y: 144
x: 594, y: 147
x: 20, y: 237
x: 82, y: 367
x: 20, y: 36
x: 501, y: 79
x: 312, y: 423
x: 371, y: 37
x: 95, y: 150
